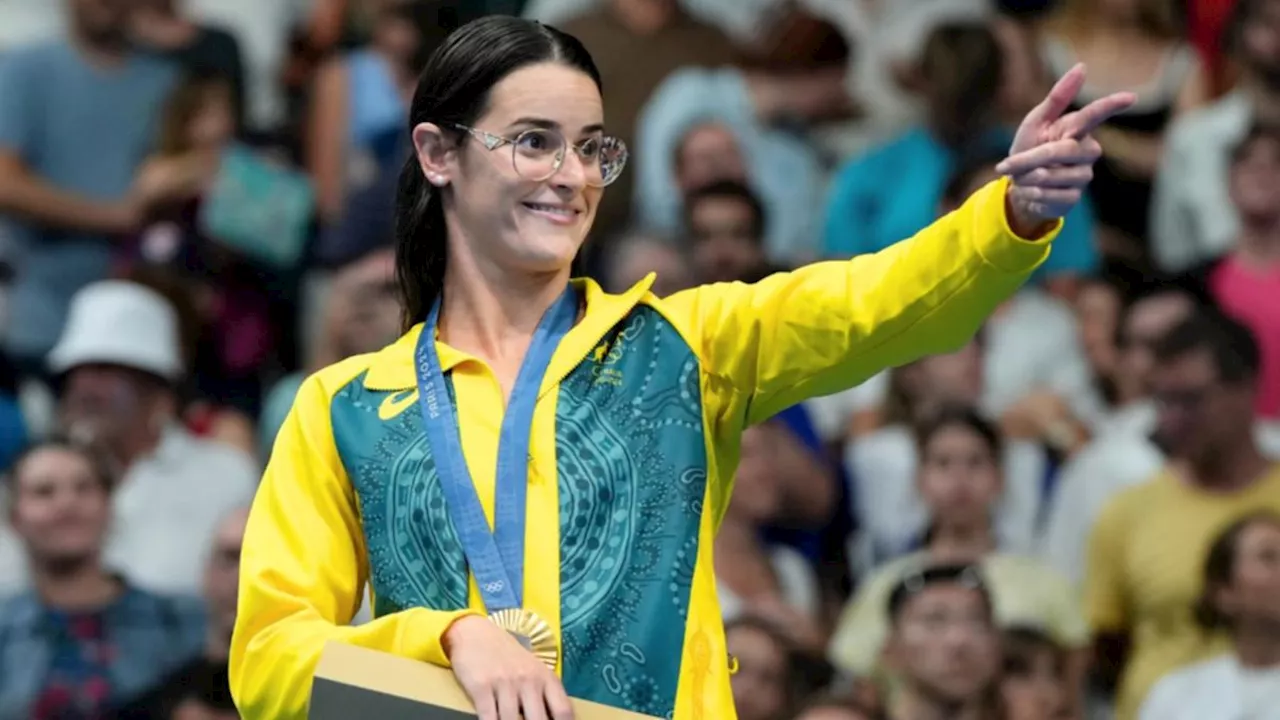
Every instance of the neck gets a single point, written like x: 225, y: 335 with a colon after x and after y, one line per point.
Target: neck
x: 74, y: 585
x: 1258, y: 645
x: 913, y: 705
x: 1259, y: 241
x: 492, y: 312
x: 217, y: 642
x: 140, y: 445
x: 102, y: 50
x: 962, y: 540
x: 1232, y: 468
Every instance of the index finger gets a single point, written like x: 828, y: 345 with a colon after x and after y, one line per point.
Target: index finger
x: 1061, y: 96
x: 1088, y: 118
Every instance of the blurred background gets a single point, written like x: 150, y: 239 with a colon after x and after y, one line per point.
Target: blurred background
x: 1075, y: 516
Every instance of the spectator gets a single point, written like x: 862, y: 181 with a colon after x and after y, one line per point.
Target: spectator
x: 228, y: 333
x: 200, y: 688
x: 1143, y: 576
x: 961, y: 69
x: 360, y: 100
x: 1122, y: 453
x: 65, y: 191
x: 1127, y: 45
x: 892, y: 514
x: 1033, y: 685
x: 943, y: 646
x: 263, y: 30
x: 636, y: 45
x: 763, y: 688
x: 202, y: 50
x: 118, y: 363
x: 82, y: 640
x: 960, y: 482
x: 362, y: 315
x: 743, y: 125
x: 1242, y: 597
x: 1193, y: 219
x: 775, y: 582
x: 635, y: 255
x: 1245, y: 282
x: 725, y: 223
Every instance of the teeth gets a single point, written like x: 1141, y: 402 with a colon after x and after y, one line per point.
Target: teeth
x: 551, y: 209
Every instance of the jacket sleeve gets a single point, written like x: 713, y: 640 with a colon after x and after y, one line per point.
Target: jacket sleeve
x: 829, y: 326
x: 302, y: 570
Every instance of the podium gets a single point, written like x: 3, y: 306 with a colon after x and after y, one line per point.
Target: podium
x: 354, y: 682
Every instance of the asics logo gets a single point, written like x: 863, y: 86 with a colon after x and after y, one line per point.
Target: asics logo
x: 397, y: 403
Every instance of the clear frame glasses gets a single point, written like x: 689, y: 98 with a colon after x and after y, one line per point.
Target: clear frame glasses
x: 539, y: 153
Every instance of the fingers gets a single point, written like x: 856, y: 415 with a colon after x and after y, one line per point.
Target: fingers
x: 558, y: 700
x: 1087, y: 119
x: 1045, y: 196
x: 1060, y: 96
x: 508, y: 696
x: 1063, y: 176
x: 485, y: 701
x: 533, y: 701
x: 1068, y: 151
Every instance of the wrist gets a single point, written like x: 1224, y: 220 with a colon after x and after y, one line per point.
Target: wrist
x: 1024, y: 227
x: 458, y: 628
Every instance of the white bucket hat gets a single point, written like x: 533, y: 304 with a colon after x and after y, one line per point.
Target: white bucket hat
x: 117, y: 322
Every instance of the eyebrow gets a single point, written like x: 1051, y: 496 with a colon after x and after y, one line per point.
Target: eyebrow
x: 553, y: 125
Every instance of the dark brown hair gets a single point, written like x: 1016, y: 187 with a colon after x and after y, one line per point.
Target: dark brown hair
x: 453, y: 90
x: 97, y: 462
x: 184, y: 104
x: 1220, y: 568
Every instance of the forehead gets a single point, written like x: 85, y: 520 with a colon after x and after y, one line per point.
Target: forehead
x: 945, y: 597
x: 715, y: 207
x: 549, y: 92
x: 1192, y: 367
x: 1259, y: 535
x: 52, y: 462
x: 1156, y: 314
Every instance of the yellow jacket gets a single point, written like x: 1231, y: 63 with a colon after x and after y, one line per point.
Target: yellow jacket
x: 635, y: 439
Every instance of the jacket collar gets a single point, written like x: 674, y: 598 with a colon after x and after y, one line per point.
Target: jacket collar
x: 392, y: 366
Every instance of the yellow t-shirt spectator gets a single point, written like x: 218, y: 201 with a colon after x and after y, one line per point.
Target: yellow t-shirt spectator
x: 1025, y: 592
x: 1146, y: 558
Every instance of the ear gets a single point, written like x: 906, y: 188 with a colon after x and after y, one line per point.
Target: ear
x: 434, y: 151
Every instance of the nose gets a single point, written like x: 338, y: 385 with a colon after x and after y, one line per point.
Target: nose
x: 572, y: 174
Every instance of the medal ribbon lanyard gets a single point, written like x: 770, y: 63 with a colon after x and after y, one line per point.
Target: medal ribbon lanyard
x: 496, y: 557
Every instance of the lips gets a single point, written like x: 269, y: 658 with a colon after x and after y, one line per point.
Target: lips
x: 555, y: 213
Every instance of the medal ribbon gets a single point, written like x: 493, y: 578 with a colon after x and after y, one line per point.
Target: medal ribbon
x: 496, y: 557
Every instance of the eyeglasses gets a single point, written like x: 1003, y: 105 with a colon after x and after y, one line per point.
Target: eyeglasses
x: 539, y: 153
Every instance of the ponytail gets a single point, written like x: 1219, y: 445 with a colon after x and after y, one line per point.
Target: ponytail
x: 421, y: 244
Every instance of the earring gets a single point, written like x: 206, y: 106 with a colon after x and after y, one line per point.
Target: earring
x: 436, y: 180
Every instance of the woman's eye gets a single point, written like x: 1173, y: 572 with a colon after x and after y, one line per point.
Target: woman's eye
x: 589, y: 148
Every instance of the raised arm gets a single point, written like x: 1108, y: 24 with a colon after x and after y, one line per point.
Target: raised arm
x: 829, y: 326
x: 302, y: 572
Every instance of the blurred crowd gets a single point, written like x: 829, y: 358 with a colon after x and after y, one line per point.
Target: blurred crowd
x: 1075, y: 516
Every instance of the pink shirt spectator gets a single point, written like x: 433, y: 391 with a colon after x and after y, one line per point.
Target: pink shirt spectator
x: 1252, y: 296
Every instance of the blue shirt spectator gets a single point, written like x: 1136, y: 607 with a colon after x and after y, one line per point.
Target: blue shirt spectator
x: 780, y: 164
x: 54, y: 663
x: 869, y: 210
x: 82, y: 129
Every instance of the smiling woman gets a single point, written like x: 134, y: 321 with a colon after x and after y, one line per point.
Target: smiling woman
x: 530, y: 478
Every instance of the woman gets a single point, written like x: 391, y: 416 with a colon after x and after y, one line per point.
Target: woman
x: 1133, y: 44
x: 1242, y: 598
x: 81, y: 641
x: 1033, y: 684
x: 960, y: 482
x: 360, y: 100
x: 631, y: 443
x: 886, y: 463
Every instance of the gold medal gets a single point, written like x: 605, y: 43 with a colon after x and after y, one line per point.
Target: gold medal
x: 530, y: 631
